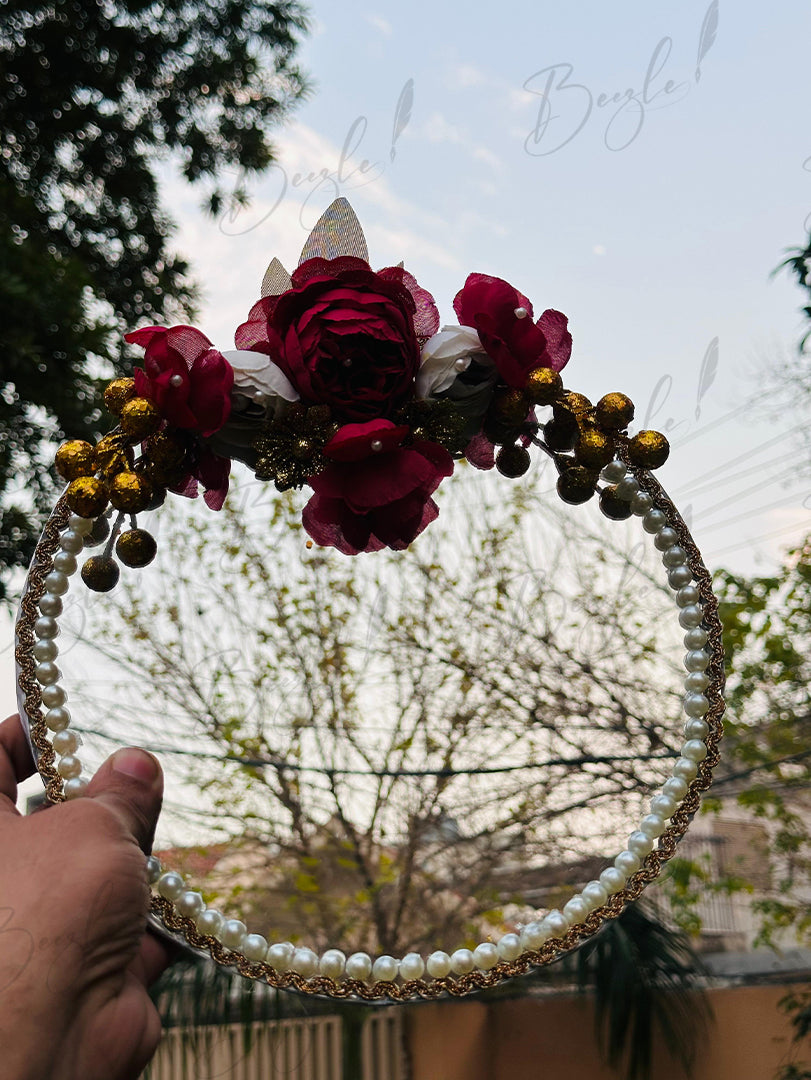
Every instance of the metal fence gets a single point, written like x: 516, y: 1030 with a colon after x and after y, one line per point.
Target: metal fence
x: 301, y: 1049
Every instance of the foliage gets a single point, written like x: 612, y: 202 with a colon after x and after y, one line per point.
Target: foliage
x: 95, y: 99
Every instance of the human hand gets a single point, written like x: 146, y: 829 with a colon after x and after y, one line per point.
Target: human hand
x: 75, y: 961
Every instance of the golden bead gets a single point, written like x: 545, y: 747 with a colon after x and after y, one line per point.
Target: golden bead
x: 614, y: 412
x: 612, y: 506
x: 648, y: 449
x: 513, y: 461
x: 100, y: 573
x: 560, y: 433
x: 543, y: 386
x: 576, y: 403
x: 86, y: 496
x: 112, y: 455
x: 165, y: 449
x: 130, y: 491
x: 74, y: 459
x: 509, y: 407
x: 576, y: 484
x: 594, y: 448
x: 140, y: 418
x: 136, y: 547
x: 117, y: 394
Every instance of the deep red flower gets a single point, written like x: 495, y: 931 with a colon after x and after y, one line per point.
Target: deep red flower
x: 516, y: 343
x: 375, y: 493
x: 212, y: 471
x: 345, y: 336
x: 189, y: 381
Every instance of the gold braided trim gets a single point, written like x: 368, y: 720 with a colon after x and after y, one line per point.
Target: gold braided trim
x: 184, y: 930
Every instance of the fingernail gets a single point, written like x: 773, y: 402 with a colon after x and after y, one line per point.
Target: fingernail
x: 137, y: 765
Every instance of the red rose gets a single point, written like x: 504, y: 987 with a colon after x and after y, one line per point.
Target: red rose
x: 345, y: 336
x: 188, y: 380
x: 376, y: 493
x: 513, y: 341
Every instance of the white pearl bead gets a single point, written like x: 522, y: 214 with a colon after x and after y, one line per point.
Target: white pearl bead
x: 688, y: 595
x: 232, y: 932
x: 412, y: 966
x: 628, y: 862
x: 509, y: 947
x: 665, y: 538
x: 65, y: 563
x: 695, y: 705
x: 612, y: 880
x: 697, y: 681
x: 641, y: 503
x: 280, y: 954
x: 640, y: 844
x: 595, y: 894
x: 462, y: 364
x: 72, y: 541
x: 209, y: 922
x: 305, y: 962
x: 359, y: 966
x: 679, y: 577
x: 176, y: 381
x: 663, y: 806
x: 80, y: 525
x: 50, y: 604
x: 47, y: 673
x: 485, y: 956
x: 190, y: 904
x: 533, y: 935
x: 52, y: 696
x: 521, y: 313
x: 46, y: 627
x: 675, y: 787
x: 57, y: 583
x: 576, y: 909
x: 652, y: 826
x: 66, y: 742
x: 654, y: 520
x: 153, y: 869
x: 694, y: 750
x: 696, y: 660
x: 685, y: 769
x: 674, y: 556
x: 696, y: 728
x: 462, y: 962
x: 627, y: 488
x: 57, y: 719
x: 385, y: 969
x: 614, y: 472
x: 438, y: 963
x: 377, y: 445
x: 332, y: 964
x: 170, y: 885
x: 255, y: 947
x: 691, y: 616
x: 556, y: 923
x: 75, y: 787
x: 69, y: 766
x: 695, y: 638
x: 45, y: 650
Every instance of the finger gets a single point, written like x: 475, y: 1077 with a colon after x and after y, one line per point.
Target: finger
x: 130, y: 783
x: 16, y: 762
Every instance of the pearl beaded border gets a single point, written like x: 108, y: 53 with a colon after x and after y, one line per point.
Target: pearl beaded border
x: 183, y: 911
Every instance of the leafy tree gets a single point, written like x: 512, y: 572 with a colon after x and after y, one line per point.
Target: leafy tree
x: 95, y: 99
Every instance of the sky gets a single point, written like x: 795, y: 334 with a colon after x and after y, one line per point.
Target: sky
x: 629, y: 164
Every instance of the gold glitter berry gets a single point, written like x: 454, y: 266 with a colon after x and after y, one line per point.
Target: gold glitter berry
x: 648, y: 449
x: 543, y: 386
x: 117, y: 394
x: 140, y: 418
x: 614, y: 412
x: 86, y: 496
x: 100, y: 573
x: 513, y: 461
x: 130, y: 491
x: 136, y: 547
x: 74, y: 459
x: 594, y: 448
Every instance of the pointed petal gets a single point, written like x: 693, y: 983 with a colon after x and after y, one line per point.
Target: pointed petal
x: 337, y: 232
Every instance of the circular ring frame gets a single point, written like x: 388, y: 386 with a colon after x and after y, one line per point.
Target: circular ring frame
x: 166, y: 919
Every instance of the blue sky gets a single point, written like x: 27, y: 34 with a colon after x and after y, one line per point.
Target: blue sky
x: 648, y: 205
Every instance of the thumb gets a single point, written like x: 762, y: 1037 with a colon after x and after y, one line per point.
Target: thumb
x: 130, y: 783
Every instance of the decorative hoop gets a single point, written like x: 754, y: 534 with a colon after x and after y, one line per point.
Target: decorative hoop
x: 631, y: 489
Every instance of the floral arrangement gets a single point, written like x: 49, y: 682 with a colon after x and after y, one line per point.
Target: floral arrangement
x: 343, y: 381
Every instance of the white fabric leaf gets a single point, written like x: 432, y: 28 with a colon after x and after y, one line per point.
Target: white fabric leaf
x: 444, y: 357
x: 255, y: 372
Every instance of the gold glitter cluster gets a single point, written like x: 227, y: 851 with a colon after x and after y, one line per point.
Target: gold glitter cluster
x: 291, y: 448
x: 107, y: 474
x: 435, y: 421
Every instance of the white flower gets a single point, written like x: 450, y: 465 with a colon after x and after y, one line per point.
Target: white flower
x: 259, y: 379
x: 444, y: 357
